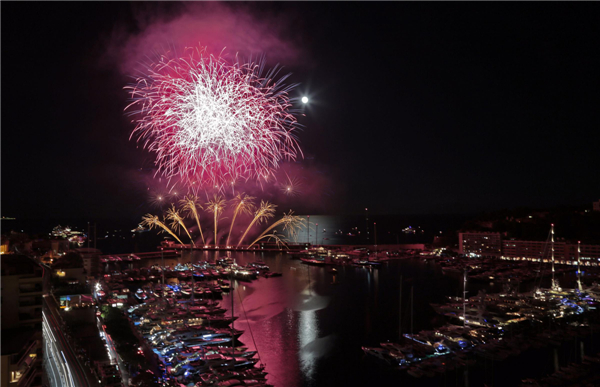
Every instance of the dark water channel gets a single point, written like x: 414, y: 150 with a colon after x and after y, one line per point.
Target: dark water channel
x: 309, y: 325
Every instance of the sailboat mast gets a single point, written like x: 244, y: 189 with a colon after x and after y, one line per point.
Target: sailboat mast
x: 578, y: 264
x: 554, y: 284
x: 465, y: 299
x: 552, y: 247
x: 400, y: 315
x: 412, y: 306
x: 232, y: 290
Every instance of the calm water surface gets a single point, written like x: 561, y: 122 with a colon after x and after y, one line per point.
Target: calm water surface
x: 309, y: 325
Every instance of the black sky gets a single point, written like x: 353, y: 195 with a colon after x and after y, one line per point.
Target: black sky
x: 416, y: 107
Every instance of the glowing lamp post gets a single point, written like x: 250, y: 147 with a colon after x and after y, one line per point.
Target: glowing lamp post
x: 307, y: 230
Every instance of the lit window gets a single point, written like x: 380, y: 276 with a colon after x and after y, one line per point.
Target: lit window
x: 15, y: 376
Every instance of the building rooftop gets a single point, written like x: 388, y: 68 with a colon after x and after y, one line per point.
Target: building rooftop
x: 16, y: 264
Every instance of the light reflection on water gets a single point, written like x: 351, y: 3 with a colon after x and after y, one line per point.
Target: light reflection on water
x: 307, y: 333
x: 308, y: 328
x: 280, y: 316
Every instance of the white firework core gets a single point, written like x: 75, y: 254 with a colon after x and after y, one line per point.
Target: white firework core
x: 212, y: 122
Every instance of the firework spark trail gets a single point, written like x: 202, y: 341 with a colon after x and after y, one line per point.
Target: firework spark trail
x: 243, y: 204
x: 190, y: 205
x: 216, y: 206
x: 177, y: 222
x: 278, y: 240
x: 291, y: 186
x: 212, y: 122
x: 289, y: 220
x: 265, y: 211
x: 153, y: 221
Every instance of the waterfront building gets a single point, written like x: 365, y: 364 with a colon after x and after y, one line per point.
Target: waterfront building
x: 21, y: 321
x: 481, y: 244
x: 21, y: 292
x: 91, y: 260
x: 5, y: 246
x: 513, y: 248
x: 51, y: 248
x: 565, y: 253
x: 487, y: 244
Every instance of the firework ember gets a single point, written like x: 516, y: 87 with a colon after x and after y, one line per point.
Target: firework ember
x: 290, y: 222
x: 190, y: 206
x: 216, y: 206
x: 210, y: 122
x: 154, y: 221
x: 177, y: 222
x: 265, y: 211
x: 243, y: 204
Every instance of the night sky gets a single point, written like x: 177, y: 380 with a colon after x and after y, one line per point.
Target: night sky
x: 415, y: 107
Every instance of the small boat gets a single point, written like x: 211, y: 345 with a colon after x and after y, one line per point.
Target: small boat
x: 141, y: 295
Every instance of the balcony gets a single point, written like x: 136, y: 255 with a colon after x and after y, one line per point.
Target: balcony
x: 30, y: 317
x: 31, y: 375
x: 30, y: 301
x: 30, y: 289
x: 25, y: 354
x: 31, y: 280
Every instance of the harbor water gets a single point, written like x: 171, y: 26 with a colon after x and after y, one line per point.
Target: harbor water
x: 309, y: 324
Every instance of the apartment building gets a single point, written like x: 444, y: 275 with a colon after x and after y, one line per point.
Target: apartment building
x: 483, y: 244
x: 21, y: 321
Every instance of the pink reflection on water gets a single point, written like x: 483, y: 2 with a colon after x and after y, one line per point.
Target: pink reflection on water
x: 281, y: 313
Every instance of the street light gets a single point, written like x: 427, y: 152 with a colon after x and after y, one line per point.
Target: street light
x: 307, y: 230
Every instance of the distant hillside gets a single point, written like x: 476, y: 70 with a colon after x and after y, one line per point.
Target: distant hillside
x: 572, y: 223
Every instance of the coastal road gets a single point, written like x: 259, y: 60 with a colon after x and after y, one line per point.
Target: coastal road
x: 64, y: 366
x: 112, y: 352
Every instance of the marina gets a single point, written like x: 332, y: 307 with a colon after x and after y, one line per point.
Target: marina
x: 303, y: 324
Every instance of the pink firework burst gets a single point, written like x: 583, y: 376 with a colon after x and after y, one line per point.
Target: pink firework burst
x: 211, y: 123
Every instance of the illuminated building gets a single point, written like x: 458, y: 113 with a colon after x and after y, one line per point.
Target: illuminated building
x: 487, y: 244
x: 564, y: 252
x: 481, y: 244
x: 91, y: 260
x: 21, y: 357
x: 21, y: 321
x: 5, y: 246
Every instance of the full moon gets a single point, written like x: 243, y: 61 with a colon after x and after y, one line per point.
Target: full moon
x: 304, y: 99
